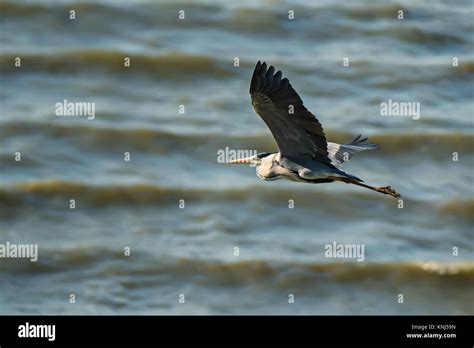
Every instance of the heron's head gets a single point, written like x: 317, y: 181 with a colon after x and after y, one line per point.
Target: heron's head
x: 254, y: 160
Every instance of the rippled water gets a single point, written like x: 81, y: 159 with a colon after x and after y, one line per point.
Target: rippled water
x: 190, y: 251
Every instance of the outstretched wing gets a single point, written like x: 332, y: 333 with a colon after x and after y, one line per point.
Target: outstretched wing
x: 340, y: 153
x: 297, y: 131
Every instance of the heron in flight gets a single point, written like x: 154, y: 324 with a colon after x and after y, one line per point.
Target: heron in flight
x: 304, y: 153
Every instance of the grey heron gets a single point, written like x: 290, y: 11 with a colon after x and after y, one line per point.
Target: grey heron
x: 304, y: 153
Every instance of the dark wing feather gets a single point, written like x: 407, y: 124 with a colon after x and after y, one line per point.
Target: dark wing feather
x: 297, y: 135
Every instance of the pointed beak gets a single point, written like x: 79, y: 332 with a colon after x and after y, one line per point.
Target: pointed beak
x: 245, y: 160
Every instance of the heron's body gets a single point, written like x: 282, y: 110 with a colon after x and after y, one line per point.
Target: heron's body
x: 304, y: 154
x: 275, y: 167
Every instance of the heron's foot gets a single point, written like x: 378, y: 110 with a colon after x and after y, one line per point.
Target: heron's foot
x: 388, y: 191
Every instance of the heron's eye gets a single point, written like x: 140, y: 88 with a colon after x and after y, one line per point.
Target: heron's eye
x: 263, y: 155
